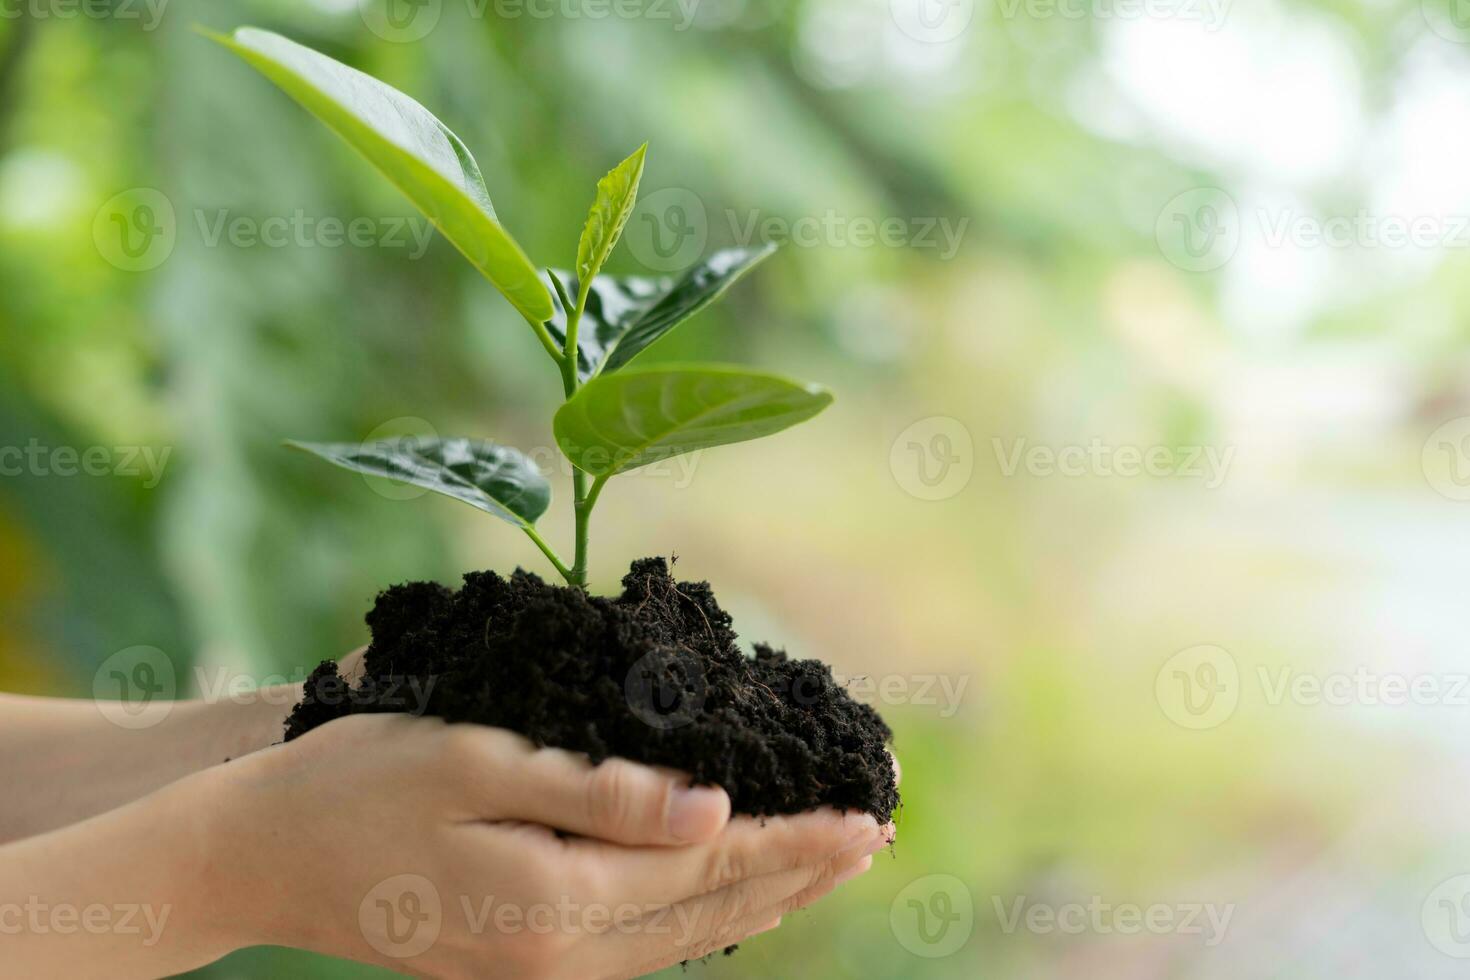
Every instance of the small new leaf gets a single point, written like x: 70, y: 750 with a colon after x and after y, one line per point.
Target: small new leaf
x: 617, y: 193
x: 618, y: 422
x: 496, y: 479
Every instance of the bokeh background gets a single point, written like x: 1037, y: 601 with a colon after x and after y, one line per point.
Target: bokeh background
x: 1225, y: 239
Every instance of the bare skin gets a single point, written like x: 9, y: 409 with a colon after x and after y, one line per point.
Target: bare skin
x: 76, y: 763
x: 432, y: 849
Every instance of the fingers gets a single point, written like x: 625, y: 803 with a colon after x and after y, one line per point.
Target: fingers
x: 711, y: 917
x: 734, y: 918
x: 505, y: 777
x: 668, y: 959
x: 748, y: 848
x: 736, y: 934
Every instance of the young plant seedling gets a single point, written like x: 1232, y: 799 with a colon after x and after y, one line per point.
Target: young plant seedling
x: 617, y: 416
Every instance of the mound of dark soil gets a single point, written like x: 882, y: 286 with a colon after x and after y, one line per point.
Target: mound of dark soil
x: 653, y: 675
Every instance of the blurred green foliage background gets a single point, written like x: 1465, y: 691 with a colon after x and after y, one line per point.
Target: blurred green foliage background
x: 1055, y: 145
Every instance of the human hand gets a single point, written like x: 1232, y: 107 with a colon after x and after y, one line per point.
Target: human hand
x: 432, y: 848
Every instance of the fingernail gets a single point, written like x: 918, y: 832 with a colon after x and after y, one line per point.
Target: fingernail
x: 774, y: 923
x: 697, y: 813
x: 854, y: 871
x: 860, y: 835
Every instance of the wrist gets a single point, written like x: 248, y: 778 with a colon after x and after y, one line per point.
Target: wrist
x: 147, y: 863
x: 222, y: 864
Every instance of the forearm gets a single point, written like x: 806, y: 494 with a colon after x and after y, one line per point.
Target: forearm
x: 120, y: 895
x: 71, y: 762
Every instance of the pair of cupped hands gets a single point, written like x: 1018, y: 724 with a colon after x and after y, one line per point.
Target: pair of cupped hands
x: 461, y: 850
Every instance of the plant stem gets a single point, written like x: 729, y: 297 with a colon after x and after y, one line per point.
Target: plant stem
x: 586, y: 500
x: 569, y: 360
x: 546, y: 341
x: 551, y: 555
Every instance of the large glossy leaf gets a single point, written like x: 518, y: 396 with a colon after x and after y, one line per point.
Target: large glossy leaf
x: 614, y: 303
x: 700, y: 287
x: 410, y: 147
x: 616, y: 195
x: 625, y: 314
x: 618, y: 422
x: 496, y: 479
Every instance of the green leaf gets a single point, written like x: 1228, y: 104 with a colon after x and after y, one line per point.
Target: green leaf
x: 614, y: 304
x: 616, y: 195
x: 496, y: 479
x: 410, y: 147
x: 625, y: 314
x: 618, y: 422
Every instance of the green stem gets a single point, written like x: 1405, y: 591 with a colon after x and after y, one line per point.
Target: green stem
x: 586, y: 500
x: 545, y: 337
x: 551, y: 555
x: 569, y: 359
x: 573, y: 355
